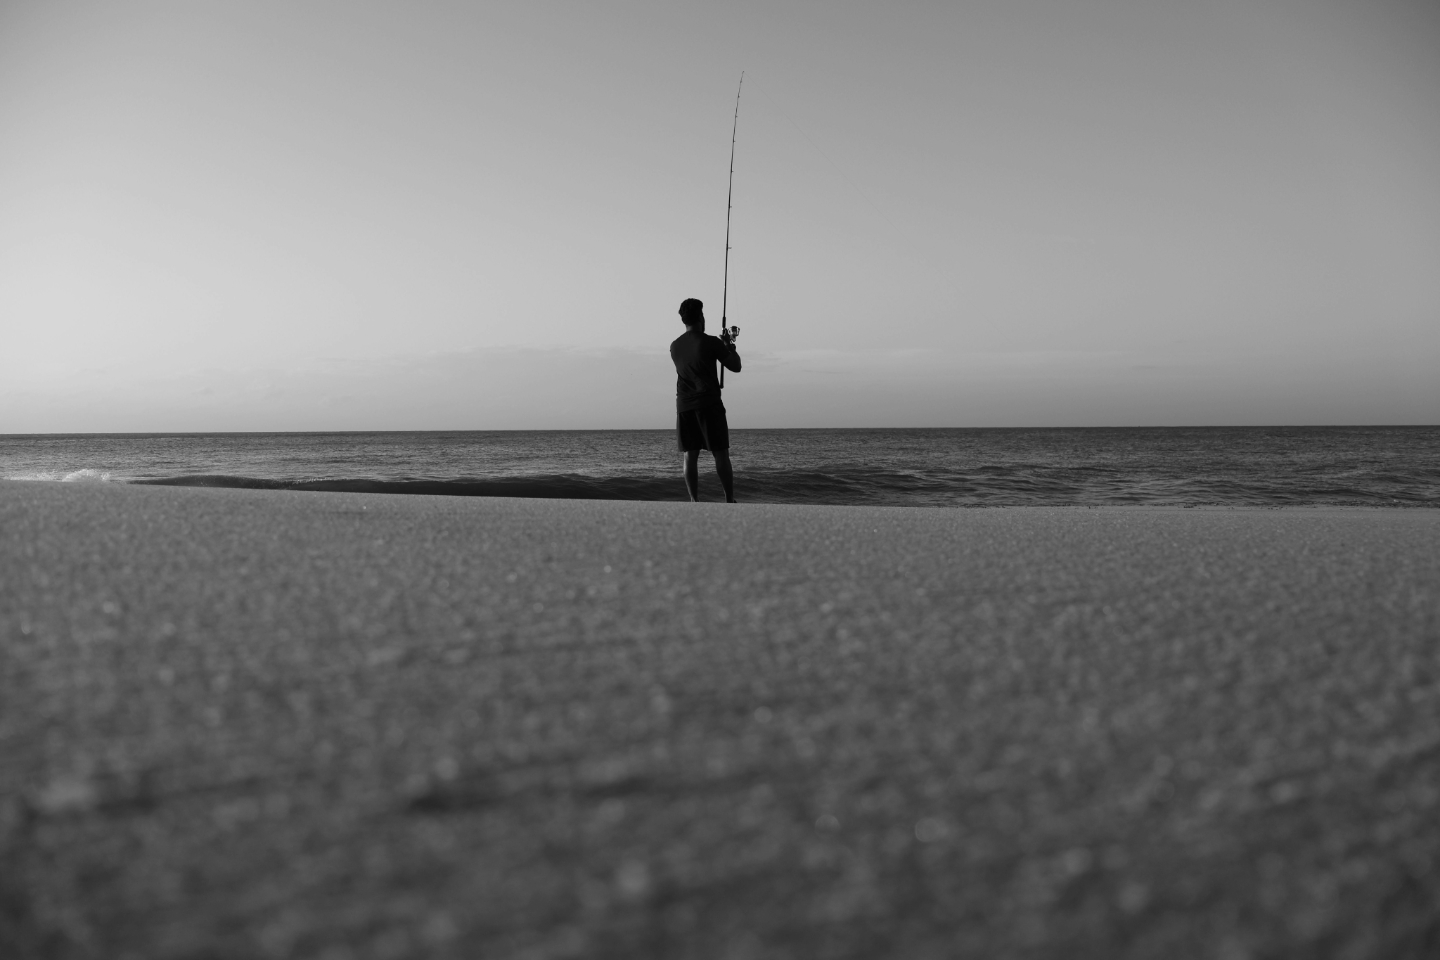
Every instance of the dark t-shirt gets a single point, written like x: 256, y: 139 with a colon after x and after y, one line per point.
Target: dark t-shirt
x: 695, y: 356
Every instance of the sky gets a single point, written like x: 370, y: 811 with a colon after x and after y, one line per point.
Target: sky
x: 421, y: 215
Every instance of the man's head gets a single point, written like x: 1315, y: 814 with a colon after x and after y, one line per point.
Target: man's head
x: 692, y: 313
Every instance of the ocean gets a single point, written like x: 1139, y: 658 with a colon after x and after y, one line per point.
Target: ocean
x: 1250, y: 466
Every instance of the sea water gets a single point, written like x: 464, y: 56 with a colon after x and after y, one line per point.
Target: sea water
x: 1268, y: 466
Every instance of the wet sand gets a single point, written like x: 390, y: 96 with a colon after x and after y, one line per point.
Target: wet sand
x: 267, y: 724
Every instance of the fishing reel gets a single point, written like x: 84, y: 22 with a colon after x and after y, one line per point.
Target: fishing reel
x: 729, y: 334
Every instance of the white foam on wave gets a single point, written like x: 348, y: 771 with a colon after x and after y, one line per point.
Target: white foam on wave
x: 87, y: 475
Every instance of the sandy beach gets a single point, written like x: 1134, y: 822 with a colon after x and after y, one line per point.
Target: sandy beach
x: 239, y: 724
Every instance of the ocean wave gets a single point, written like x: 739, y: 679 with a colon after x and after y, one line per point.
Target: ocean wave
x: 857, y: 485
x: 557, y: 487
x: 1280, y: 467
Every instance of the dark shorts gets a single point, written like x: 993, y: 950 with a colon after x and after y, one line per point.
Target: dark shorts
x: 704, y: 429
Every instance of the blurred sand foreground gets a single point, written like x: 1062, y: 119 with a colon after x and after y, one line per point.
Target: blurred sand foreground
x: 240, y: 724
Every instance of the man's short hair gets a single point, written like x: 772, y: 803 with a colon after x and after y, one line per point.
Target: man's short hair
x: 691, y: 310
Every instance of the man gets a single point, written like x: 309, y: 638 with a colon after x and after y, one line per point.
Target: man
x: 699, y: 415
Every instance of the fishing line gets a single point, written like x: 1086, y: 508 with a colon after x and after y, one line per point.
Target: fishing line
x: 830, y: 160
x: 942, y: 269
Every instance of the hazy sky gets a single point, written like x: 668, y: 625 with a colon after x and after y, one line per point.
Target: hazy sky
x: 303, y: 215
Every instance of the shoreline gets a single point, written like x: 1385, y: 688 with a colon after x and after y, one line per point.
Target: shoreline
x: 429, y: 488
x: 280, y: 722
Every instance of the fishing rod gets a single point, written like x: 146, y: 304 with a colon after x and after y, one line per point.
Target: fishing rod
x: 733, y: 332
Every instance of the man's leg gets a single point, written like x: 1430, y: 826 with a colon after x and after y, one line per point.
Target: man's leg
x: 692, y: 474
x: 727, y: 475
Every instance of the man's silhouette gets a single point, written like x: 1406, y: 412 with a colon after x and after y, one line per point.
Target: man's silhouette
x: 699, y: 415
